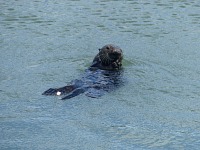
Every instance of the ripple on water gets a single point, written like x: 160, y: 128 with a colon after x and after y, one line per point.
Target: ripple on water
x: 47, y: 43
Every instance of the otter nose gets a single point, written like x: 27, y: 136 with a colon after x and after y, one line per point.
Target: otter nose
x: 117, y: 52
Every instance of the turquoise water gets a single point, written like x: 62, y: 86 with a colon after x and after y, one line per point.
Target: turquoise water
x: 47, y: 44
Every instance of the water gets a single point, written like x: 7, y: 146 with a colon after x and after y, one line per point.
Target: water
x: 47, y: 44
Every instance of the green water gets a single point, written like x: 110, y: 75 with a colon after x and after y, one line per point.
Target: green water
x: 47, y: 44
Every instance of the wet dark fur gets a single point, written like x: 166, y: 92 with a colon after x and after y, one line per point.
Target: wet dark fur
x: 104, y: 75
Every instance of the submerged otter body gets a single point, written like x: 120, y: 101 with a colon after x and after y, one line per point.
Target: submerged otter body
x: 104, y: 75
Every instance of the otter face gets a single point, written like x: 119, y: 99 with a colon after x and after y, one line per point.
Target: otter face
x: 110, y: 54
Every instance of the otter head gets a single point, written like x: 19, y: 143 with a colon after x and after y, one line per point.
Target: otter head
x: 111, y: 55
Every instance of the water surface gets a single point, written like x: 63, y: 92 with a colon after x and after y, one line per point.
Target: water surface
x: 47, y: 44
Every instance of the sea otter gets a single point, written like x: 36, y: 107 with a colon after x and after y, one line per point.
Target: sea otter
x: 104, y: 75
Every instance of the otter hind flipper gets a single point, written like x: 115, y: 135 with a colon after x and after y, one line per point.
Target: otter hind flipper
x: 59, y: 91
x: 50, y: 91
x: 76, y: 92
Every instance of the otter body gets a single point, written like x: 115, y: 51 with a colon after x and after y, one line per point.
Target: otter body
x: 104, y: 75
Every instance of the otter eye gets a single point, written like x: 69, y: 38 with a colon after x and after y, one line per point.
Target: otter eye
x: 99, y: 49
x: 107, y: 48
